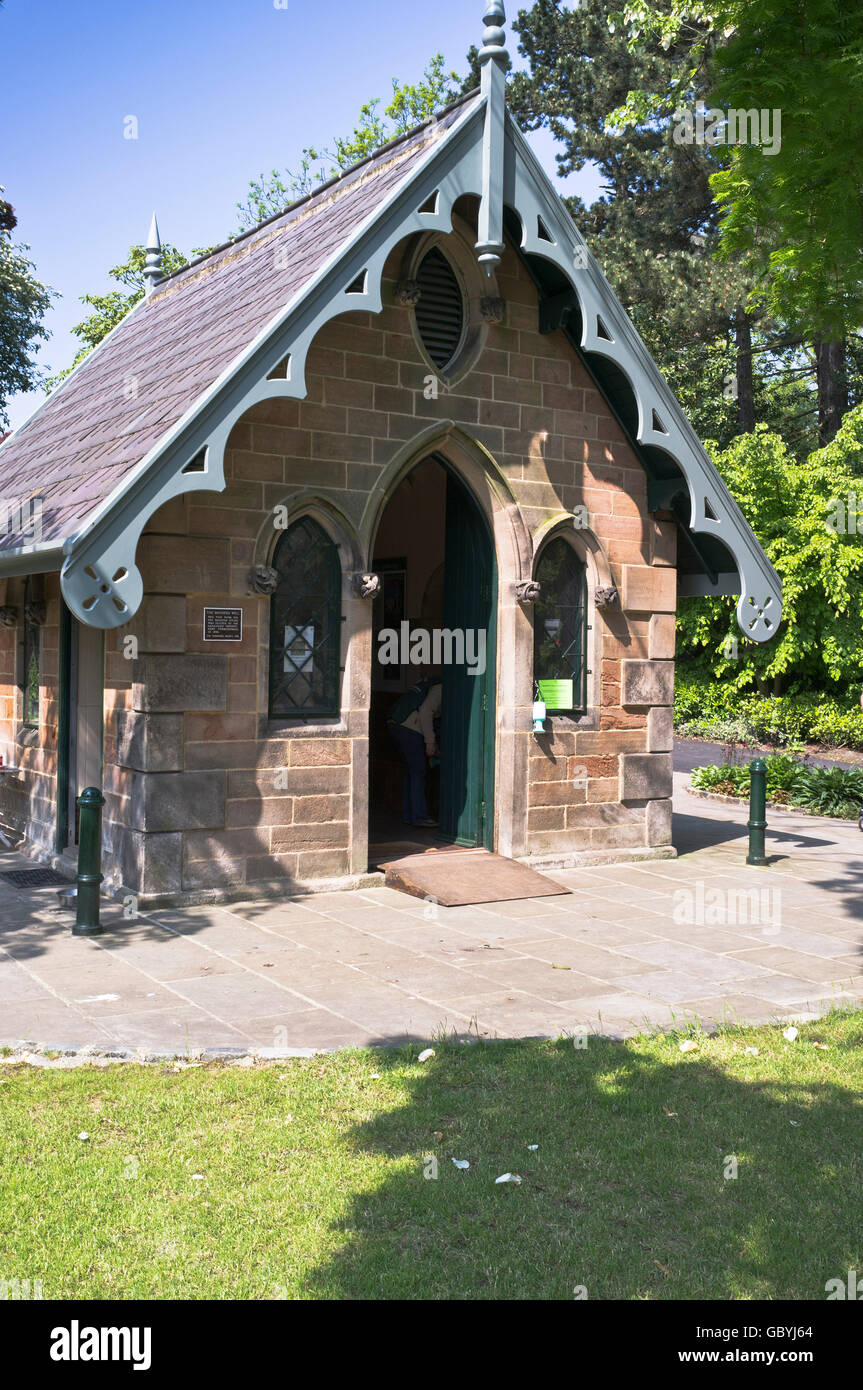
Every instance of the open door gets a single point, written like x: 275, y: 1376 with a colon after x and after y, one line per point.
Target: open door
x: 467, y: 714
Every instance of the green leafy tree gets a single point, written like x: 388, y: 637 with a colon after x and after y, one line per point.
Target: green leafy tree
x: 805, y: 515
x: 654, y: 228
x: 24, y: 302
x: 797, y: 211
x: 411, y: 104
x: 610, y: 89
x: 800, y: 209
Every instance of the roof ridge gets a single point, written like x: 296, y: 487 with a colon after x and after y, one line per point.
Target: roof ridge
x: 316, y: 192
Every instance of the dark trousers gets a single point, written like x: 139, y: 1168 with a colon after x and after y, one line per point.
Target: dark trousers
x: 411, y: 745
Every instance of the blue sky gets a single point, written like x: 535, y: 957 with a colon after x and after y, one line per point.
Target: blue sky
x: 222, y: 90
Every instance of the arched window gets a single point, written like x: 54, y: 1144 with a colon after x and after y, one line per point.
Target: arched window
x: 31, y: 667
x: 305, y: 624
x: 560, y: 628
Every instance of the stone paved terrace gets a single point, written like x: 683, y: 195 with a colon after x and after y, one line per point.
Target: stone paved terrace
x: 372, y: 967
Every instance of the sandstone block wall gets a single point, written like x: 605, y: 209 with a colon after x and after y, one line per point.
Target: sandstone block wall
x: 28, y: 783
x: 204, y: 791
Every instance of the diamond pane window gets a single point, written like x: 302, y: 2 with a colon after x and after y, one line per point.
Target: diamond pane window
x: 560, y: 628
x: 305, y: 624
x: 31, y: 675
x: 30, y: 668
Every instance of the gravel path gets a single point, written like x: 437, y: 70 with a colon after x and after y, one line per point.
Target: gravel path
x: 690, y: 753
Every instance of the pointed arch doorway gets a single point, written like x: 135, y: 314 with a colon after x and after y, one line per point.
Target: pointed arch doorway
x: 435, y: 553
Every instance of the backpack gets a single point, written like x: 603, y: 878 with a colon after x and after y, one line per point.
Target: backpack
x: 411, y: 700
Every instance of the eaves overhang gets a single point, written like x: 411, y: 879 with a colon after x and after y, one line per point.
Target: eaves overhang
x: 100, y: 579
x: 34, y: 559
x: 580, y: 300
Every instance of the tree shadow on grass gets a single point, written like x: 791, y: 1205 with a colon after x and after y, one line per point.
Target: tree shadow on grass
x: 626, y: 1194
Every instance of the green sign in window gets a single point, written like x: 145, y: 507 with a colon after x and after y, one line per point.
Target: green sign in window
x: 556, y: 694
x: 560, y: 627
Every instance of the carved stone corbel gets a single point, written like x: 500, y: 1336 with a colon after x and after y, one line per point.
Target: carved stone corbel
x: 492, y: 308
x: 34, y: 613
x: 407, y: 293
x: 607, y: 598
x: 263, y: 579
x: 8, y: 615
x: 366, y: 585
x: 527, y: 590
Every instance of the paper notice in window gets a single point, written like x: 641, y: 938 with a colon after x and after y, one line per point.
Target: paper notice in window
x: 299, y: 648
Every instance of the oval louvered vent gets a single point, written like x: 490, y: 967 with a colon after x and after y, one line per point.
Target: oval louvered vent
x: 440, y: 310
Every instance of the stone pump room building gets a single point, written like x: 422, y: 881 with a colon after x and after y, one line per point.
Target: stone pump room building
x: 409, y: 403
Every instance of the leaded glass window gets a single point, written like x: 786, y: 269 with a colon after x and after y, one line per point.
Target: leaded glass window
x: 305, y: 624
x: 30, y: 668
x: 560, y: 628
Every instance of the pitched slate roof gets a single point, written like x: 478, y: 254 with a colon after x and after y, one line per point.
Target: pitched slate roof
x: 146, y: 374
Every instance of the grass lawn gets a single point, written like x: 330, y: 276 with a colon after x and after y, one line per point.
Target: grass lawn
x: 305, y: 1179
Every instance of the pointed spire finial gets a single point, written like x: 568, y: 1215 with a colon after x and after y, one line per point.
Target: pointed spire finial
x: 493, y: 35
x: 493, y: 60
x: 153, y: 261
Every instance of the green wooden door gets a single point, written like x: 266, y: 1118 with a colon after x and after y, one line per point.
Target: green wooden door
x: 467, y: 712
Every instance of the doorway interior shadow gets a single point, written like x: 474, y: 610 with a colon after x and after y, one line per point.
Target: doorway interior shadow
x: 435, y: 554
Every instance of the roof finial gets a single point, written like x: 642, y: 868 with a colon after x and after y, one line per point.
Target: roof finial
x: 493, y: 62
x: 493, y: 36
x: 153, y: 261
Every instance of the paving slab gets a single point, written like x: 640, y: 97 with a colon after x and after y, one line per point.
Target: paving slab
x: 627, y: 947
x: 313, y: 1028
x: 182, y: 1028
x: 17, y: 983
x: 36, y: 1020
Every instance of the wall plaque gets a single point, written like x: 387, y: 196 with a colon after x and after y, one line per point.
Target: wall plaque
x: 223, y: 624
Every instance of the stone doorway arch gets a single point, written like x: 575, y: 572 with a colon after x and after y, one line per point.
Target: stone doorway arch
x: 489, y: 487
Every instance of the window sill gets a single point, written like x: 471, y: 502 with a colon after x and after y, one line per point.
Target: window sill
x: 313, y: 727
x: 587, y: 719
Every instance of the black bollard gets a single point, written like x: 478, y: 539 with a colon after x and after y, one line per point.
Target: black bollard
x: 757, y: 811
x: 88, y: 877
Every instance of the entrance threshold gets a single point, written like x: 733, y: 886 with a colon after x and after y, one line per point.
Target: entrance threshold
x: 457, y: 877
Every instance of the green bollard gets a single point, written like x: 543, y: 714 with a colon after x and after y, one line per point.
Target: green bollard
x: 88, y: 877
x: 757, y: 811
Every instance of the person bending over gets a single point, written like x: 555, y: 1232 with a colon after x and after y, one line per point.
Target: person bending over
x: 411, y: 725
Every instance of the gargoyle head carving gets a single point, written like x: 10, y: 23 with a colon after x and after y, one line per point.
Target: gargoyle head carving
x: 264, y: 579
x: 607, y: 598
x: 527, y: 590
x: 366, y: 585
